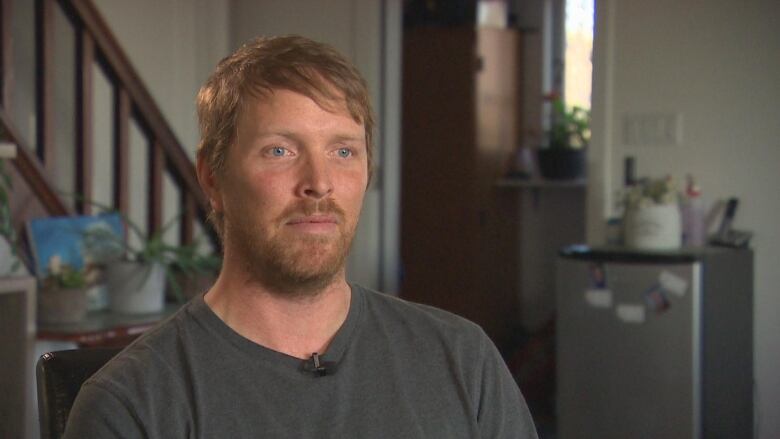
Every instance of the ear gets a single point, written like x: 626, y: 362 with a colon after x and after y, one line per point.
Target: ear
x: 209, y: 183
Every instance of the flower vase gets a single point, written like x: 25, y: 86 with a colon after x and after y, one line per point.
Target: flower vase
x: 654, y: 227
x: 62, y: 305
x: 136, y: 288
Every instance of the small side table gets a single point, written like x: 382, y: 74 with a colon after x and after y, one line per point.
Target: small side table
x: 104, y: 328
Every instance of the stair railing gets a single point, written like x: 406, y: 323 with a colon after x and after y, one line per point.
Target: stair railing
x: 95, y: 43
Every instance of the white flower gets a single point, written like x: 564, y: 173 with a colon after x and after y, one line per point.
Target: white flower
x: 645, y: 202
x: 55, y: 265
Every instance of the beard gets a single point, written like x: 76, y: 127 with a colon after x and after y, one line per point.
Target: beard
x: 291, y: 264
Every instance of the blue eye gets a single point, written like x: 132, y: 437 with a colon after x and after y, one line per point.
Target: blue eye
x: 278, y: 151
x: 344, y: 152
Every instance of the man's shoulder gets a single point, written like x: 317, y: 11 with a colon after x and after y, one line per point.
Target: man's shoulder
x: 150, y: 355
x: 426, y: 319
x: 133, y: 389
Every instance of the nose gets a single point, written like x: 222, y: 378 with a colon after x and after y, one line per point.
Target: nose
x: 315, y: 179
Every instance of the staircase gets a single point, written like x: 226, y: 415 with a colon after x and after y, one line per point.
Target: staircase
x: 36, y: 164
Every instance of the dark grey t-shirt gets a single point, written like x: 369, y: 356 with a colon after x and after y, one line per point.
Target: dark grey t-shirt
x: 394, y: 370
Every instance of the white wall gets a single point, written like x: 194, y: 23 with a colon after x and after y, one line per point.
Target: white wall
x: 173, y: 46
x: 717, y: 65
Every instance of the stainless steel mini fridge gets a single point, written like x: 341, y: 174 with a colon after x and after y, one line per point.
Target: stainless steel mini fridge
x: 655, y: 345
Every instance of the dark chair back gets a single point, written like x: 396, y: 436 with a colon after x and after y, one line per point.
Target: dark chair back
x: 60, y: 375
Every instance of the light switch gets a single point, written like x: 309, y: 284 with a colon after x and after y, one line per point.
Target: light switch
x: 652, y: 129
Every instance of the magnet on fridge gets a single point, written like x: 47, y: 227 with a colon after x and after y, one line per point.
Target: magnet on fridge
x: 598, y: 275
x: 630, y: 313
x: 656, y: 299
x: 599, y: 298
x: 673, y: 283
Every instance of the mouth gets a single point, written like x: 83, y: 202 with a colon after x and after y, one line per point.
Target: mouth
x: 313, y: 219
x: 314, y: 223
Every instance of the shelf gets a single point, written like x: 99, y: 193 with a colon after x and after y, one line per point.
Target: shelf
x: 538, y: 183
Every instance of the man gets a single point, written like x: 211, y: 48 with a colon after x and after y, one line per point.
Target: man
x: 282, y: 346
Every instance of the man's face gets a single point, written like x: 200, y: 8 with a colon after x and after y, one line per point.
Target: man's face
x: 291, y: 191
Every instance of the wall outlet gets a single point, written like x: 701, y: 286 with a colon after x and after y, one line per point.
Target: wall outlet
x: 652, y: 129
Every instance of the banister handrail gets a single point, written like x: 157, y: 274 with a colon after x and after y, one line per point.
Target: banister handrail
x: 96, y: 44
x: 32, y: 172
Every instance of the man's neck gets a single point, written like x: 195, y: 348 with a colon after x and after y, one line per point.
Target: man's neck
x: 296, y: 326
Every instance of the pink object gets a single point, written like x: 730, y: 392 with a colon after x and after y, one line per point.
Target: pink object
x: 694, y: 234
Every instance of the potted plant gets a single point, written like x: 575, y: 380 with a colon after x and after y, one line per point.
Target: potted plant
x: 63, y: 293
x: 563, y: 157
x: 192, y: 271
x: 136, y: 276
x: 651, y: 214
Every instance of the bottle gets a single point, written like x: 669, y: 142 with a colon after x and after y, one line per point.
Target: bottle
x: 629, y: 171
x: 694, y: 234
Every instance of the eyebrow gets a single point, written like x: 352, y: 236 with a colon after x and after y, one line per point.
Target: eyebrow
x: 292, y: 136
x: 349, y: 138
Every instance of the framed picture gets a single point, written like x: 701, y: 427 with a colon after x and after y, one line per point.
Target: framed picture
x: 64, y: 237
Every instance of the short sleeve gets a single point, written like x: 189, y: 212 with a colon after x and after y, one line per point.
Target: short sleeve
x: 98, y: 413
x: 502, y: 411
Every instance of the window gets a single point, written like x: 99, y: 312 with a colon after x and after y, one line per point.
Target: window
x: 579, y: 49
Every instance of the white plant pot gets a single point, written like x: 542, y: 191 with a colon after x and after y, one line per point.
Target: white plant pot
x: 655, y: 227
x: 135, y: 288
x: 8, y: 260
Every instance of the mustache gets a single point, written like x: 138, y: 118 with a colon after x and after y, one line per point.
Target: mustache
x: 308, y: 207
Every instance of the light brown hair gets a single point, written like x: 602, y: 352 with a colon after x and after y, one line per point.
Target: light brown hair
x: 293, y: 63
